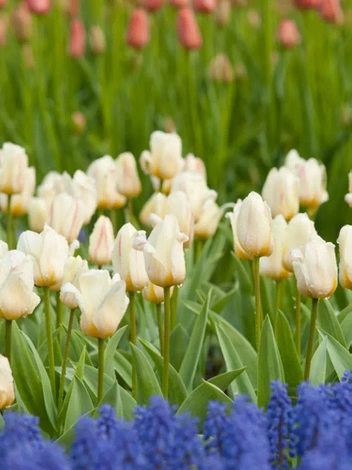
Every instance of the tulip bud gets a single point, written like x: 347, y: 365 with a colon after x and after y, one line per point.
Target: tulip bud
x: 102, y: 301
x: 345, y: 244
x: 194, y: 165
x: 178, y: 4
x: 188, y: 30
x: 165, y: 157
x: 77, y: 44
x: 178, y: 205
x: 163, y: 252
x: 20, y: 202
x: 300, y: 230
x: 155, y: 205
x: 22, y: 22
x: 220, y: 69
x: 315, y: 268
x: 97, y: 40
x: 66, y: 216
x: 79, y: 122
x: 209, y: 219
x: 154, y: 294
x: 251, y: 226
x: 281, y: 192
x: 101, y: 241
x: 3, y: 29
x: 13, y: 168
x: 288, y: 34
x: 39, y: 7
x: 348, y: 197
x: 7, y: 389
x: 17, y: 298
x: 74, y: 267
x: 331, y: 11
x: 52, y: 185
x: 128, y: 262
x: 73, y: 8
x: 153, y: 5
x: 138, y: 32
x: 307, y: 4
x: 128, y: 182
x: 205, y: 6
x: 37, y: 214
x: 223, y: 12
x: 82, y: 187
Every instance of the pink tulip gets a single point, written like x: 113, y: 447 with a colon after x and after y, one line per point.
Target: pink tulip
x: 138, y: 32
x: 187, y: 29
x: 331, y: 11
x: 21, y: 22
x: 3, y: 3
x: 179, y: 3
x: 77, y: 39
x: 39, y: 7
x: 307, y: 4
x: 205, y: 6
x: 73, y: 8
x: 3, y: 29
x: 153, y: 5
x: 288, y: 34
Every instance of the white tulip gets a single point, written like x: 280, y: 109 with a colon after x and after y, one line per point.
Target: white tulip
x: 156, y: 204
x: 128, y: 182
x: 345, y: 244
x: 154, y: 294
x: 209, y: 219
x: 272, y: 266
x: 83, y: 187
x: 66, y: 216
x: 74, y: 267
x: 37, y: 213
x: 13, y: 167
x: 348, y: 197
x: 20, y: 202
x: 7, y: 389
x: 101, y: 241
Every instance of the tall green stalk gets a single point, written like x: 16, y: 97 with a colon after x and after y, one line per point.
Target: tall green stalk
x: 258, y: 306
x: 313, y: 319
x: 9, y: 227
x: 59, y: 310
x: 8, y: 332
x: 298, y: 322
x: 101, y: 366
x: 278, y: 301
x: 133, y: 328
x: 174, y: 302
x: 49, y: 334
x: 167, y: 315
x: 65, y: 358
x: 159, y: 314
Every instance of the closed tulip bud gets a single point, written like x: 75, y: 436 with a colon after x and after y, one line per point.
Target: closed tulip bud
x: 101, y: 241
x: 348, y: 197
x: 252, y: 227
x: 163, y: 252
x: 52, y: 185
x: 104, y: 172
x: 74, y: 267
x: 49, y: 251
x: 17, y: 298
x: 66, y: 216
x: 223, y: 12
x: 220, y: 69
x: 22, y: 22
x: 331, y: 11
x: 205, y: 6
x: 315, y: 268
x: 300, y: 230
x: 13, y: 168
x: 345, y: 244
x: 155, y: 205
x: 20, y: 202
x: 97, y: 40
x: 7, y: 389
x: 194, y: 165
x: 154, y: 294
x: 153, y: 5
x: 281, y: 192
x: 102, y: 301
x: 128, y: 262
x: 128, y: 182
x: 3, y: 29
x: 138, y: 32
x: 37, y: 214
x: 77, y: 43
x: 82, y: 187
x: 178, y: 205
x: 39, y: 7
x: 187, y: 29
x: 209, y: 219
x: 288, y: 34
x: 272, y: 266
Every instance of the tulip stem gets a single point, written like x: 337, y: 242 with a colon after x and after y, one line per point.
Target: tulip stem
x: 159, y: 313
x: 130, y: 210
x: 278, y: 301
x: 298, y: 323
x: 313, y: 320
x: 258, y: 307
x: 8, y: 331
x: 9, y: 223
x: 101, y: 363
x: 59, y: 310
x: 174, y: 300
x: 166, y: 342
x: 49, y: 335
x: 133, y: 329
x: 65, y: 358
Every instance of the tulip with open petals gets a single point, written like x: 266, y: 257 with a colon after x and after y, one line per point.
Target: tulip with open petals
x: 66, y: 216
x: 101, y: 241
x: 74, y: 267
x: 49, y: 251
x: 13, y: 167
x: 17, y: 298
x: 102, y: 301
x: 128, y: 182
x: 272, y: 266
x: 348, y: 197
x: 7, y: 389
x: 315, y: 268
x: 345, y: 244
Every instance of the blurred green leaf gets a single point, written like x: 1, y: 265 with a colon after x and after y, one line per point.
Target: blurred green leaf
x: 327, y: 321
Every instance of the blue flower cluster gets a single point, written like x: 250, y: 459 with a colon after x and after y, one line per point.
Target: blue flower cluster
x: 313, y: 433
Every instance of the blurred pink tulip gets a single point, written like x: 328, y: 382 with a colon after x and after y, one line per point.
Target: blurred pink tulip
x: 3, y: 29
x: 307, y: 4
x: 188, y: 30
x: 3, y: 3
x: 21, y: 22
x: 153, y: 5
x: 179, y: 3
x: 138, y: 32
x: 331, y: 11
x: 39, y: 7
x: 77, y: 39
x: 205, y: 6
x: 288, y: 34
x: 73, y: 8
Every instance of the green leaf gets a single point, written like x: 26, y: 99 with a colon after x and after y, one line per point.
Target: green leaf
x: 111, y: 349
x: 318, y: 365
x: 221, y: 303
x: 346, y: 327
x: 328, y: 321
x: 269, y: 363
x: 112, y: 398
x: 79, y: 403
x: 340, y: 357
x: 177, y: 389
x: 243, y: 275
x: 179, y: 341
x: 128, y: 404
x: 190, y: 362
x: 147, y: 382
x: 343, y: 314
x: 233, y: 363
x: 79, y: 373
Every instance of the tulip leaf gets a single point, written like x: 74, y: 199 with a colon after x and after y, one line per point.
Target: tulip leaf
x: 91, y: 379
x: 190, y: 362
x: 112, y: 398
x: 177, y: 389
x: 79, y: 403
x: 179, y: 341
x: 123, y: 368
x: 128, y: 404
x: 110, y: 351
x: 221, y: 303
x: 242, y: 275
x: 327, y: 321
x: 344, y: 313
x: 340, y: 357
x: 233, y: 363
x: 148, y: 384
x: 269, y: 363
x: 346, y: 327
x: 318, y: 365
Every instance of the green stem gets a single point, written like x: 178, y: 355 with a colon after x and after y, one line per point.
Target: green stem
x: 113, y: 218
x: 258, y: 308
x: 49, y: 335
x: 159, y: 313
x: 133, y: 329
x: 174, y: 301
x: 278, y: 300
x: 9, y: 223
x: 166, y: 342
x: 198, y: 245
x: 14, y: 231
x: 65, y: 358
x: 130, y: 210
x: 101, y: 364
x: 8, y: 331
x: 59, y: 310
x: 313, y: 320
x: 298, y: 323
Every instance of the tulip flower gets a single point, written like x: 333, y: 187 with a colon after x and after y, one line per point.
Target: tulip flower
x: 39, y: 7
x: 77, y: 44
x: 178, y: 205
x: 7, y: 389
x: 83, y: 187
x: 348, y: 197
x: 3, y: 3
x: 223, y: 12
x: 281, y: 192
x: 307, y: 4
x: 155, y: 205
x: 154, y: 294
x: 345, y: 244
x: 220, y: 69
x: 101, y: 241
x: 165, y: 157
x: 153, y: 5
x: 194, y: 164
x: 188, y: 30
x: 288, y: 34
x: 79, y: 122
x: 52, y: 185
x: 128, y: 182
x: 138, y: 32
x: 205, y: 6
x: 13, y: 166
x: 3, y: 249
x: 178, y: 3
x: 209, y: 219
x: 20, y: 202
x: 74, y: 267
x: 66, y: 216
x: 37, y: 214
x: 97, y: 40
x: 22, y: 22
x: 331, y: 11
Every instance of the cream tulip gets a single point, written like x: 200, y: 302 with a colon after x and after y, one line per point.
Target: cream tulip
x: 165, y: 157
x: 348, y: 197
x: 17, y: 298
x: 3, y: 249
x: 272, y: 266
x: 7, y: 389
x: 156, y: 204
x: 13, y: 166
x: 345, y: 244
x: 177, y: 204
x: 101, y: 241
x: 163, y: 252
x: 37, y: 214
x: 209, y: 219
x: 102, y: 301
x: 20, y: 202
x: 315, y: 268
x: 251, y: 224
x: 128, y: 262
x: 52, y: 185
x: 74, y: 267
x: 128, y: 182
x: 49, y: 251
x: 66, y: 216
x: 83, y: 187
x: 154, y: 294
x: 194, y: 165
x: 281, y: 192
x: 300, y: 230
